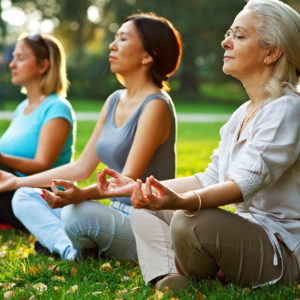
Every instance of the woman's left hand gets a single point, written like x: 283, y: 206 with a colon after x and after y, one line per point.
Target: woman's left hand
x: 155, y: 196
x: 68, y: 193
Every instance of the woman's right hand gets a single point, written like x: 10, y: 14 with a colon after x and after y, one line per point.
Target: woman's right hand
x: 117, y: 186
x: 8, y: 181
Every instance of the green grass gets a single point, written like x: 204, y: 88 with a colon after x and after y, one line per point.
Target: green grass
x: 23, y: 267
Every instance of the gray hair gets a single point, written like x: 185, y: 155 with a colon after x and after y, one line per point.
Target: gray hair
x: 279, y: 25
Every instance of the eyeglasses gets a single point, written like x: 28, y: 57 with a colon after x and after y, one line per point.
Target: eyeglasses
x: 38, y: 38
x: 233, y: 34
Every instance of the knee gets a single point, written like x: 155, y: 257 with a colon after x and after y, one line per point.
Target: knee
x: 75, y: 215
x: 180, y: 229
x: 22, y: 199
x: 183, y: 228
x: 69, y: 216
x: 139, y: 220
x: 135, y: 218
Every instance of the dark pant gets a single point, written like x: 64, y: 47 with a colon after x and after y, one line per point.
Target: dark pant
x: 6, y: 213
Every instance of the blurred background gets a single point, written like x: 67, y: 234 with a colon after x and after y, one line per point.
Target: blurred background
x: 86, y: 27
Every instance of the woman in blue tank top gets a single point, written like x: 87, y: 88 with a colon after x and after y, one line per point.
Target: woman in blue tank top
x: 135, y: 134
x: 32, y: 143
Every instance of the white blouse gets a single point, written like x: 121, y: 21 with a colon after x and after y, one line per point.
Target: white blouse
x: 265, y: 163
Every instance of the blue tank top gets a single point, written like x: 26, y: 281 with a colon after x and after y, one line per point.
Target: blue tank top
x: 114, y: 142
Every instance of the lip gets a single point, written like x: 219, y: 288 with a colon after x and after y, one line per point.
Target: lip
x: 112, y: 58
x: 226, y: 57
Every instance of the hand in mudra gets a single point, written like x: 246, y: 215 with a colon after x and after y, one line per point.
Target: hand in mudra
x: 154, y: 195
x: 64, y: 193
x: 117, y: 186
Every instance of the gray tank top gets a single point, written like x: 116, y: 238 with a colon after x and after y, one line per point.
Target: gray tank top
x: 114, y: 143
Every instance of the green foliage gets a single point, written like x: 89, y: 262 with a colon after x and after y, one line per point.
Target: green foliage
x: 88, y: 66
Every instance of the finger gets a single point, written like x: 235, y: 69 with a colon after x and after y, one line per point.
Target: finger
x: 52, y: 200
x: 102, y: 179
x: 47, y: 197
x: 64, y: 183
x: 157, y: 184
x: 111, y: 172
x: 148, y: 190
x: 136, y: 195
x: 98, y: 177
x: 57, y: 191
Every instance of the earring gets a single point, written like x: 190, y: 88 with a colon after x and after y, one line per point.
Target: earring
x: 143, y: 62
x: 265, y: 61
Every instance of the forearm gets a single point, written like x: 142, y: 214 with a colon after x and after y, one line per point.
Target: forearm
x: 212, y: 196
x: 23, y: 165
x: 90, y: 192
x: 69, y: 171
x: 184, y: 184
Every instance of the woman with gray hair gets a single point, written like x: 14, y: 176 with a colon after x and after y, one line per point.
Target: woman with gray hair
x: 256, y: 167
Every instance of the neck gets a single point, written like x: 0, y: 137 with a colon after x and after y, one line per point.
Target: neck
x: 34, y: 94
x: 255, y: 88
x: 139, y: 85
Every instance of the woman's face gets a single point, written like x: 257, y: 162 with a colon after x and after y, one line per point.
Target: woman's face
x: 126, y: 51
x: 243, y: 55
x: 24, y: 67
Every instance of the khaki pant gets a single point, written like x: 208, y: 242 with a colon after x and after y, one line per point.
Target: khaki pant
x: 215, y: 239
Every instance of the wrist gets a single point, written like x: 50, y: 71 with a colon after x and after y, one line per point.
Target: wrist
x: 194, y: 203
x: 17, y: 182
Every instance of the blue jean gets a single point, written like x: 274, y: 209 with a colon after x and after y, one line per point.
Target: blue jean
x: 91, y: 224
x: 85, y: 225
x: 42, y: 221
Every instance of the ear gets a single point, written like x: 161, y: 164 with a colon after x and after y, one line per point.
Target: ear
x: 147, y: 59
x: 273, y: 55
x: 44, y: 66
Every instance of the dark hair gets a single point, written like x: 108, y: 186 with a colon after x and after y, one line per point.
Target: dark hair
x: 162, y: 41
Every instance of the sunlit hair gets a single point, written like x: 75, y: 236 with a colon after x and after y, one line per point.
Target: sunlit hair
x: 278, y: 25
x: 163, y: 42
x: 54, y: 80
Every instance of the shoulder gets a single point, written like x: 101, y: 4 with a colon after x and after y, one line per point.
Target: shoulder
x: 56, y: 107
x: 159, y: 101
x: 54, y: 100
x: 20, y: 108
x: 280, y: 117
x: 288, y: 105
x: 115, y: 96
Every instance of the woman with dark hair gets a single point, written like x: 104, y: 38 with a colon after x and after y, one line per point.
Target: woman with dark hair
x: 135, y: 134
x: 32, y: 144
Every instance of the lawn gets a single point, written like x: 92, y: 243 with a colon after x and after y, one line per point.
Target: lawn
x: 26, y: 275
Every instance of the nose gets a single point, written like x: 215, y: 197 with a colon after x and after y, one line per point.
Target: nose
x: 227, y: 43
x: 12, y: 63
x: 112, y: 45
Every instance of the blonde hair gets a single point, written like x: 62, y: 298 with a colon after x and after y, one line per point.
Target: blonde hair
x: 278, y: 25
x: 54, y: 80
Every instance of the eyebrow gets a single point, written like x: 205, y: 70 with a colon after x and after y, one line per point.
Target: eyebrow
x: 240, y: 27
x: 121, y: 33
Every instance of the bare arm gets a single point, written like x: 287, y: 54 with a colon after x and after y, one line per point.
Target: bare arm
x: 158, y: 196
x: 74, y: 171
x: 153, y: 130
x: 51, y: 143
x: 155, y: 124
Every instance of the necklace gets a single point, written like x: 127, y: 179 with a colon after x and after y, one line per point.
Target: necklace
x: 249, y: 118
